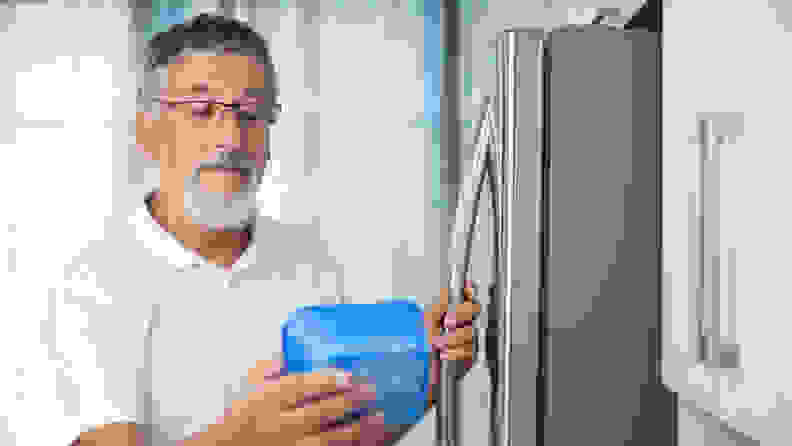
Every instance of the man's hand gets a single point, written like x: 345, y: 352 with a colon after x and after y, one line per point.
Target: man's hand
x: 111, y: 435
x: 295, y: 410
x: 459, y: 342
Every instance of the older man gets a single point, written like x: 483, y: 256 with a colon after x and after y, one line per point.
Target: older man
x: 173, y: 321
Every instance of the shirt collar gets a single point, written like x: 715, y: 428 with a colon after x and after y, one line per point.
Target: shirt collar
x: 164, y: 245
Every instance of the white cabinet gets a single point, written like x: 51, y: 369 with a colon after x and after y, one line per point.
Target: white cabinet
x: 724, y: 61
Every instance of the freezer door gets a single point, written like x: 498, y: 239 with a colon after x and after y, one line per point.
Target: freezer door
x: 602, y: 268
x: 516, y: 331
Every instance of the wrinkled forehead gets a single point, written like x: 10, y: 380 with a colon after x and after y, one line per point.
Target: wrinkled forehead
x: 201, y: 73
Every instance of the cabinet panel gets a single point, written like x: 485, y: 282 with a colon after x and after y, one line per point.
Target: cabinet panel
x: 682, y: 97
x: 729, y: 69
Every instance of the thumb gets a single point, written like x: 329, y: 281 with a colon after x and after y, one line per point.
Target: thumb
x: 437, y: 309
x: 265, y: 371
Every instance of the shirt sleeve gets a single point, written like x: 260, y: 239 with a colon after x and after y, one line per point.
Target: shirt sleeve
x: 76, y: 366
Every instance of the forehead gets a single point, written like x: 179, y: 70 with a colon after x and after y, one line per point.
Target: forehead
x: 217, y: 75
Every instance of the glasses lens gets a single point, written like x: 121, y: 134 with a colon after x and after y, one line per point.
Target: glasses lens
x: 202, y: 111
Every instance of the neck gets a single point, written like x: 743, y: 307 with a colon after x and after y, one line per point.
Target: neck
x: 218, y: 247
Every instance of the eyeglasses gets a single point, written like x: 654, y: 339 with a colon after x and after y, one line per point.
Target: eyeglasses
x: 199, y: 110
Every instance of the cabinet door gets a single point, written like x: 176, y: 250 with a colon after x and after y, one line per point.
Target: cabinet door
x: 728, y: 70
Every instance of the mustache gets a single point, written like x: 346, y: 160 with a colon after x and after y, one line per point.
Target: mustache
x: 233, y: 159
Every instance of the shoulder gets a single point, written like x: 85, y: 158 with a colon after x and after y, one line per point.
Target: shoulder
x: 108, y: 258
x: 104, y: 285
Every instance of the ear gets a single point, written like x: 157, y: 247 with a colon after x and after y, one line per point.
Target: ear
x: 145, y: 130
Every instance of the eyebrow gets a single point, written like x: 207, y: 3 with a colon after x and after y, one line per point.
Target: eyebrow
x: 202, y: 88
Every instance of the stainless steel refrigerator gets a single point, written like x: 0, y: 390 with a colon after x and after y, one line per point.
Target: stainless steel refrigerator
x: 573, y: 336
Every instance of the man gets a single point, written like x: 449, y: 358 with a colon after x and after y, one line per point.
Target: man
x: 209, y: 276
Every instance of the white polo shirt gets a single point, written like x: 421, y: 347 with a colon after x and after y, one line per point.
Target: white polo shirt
x: 211, y: 324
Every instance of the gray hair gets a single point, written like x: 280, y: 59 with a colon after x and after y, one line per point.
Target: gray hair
x: 204, y: 34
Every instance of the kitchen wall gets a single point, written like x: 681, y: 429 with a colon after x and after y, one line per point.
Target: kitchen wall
x: 65, y: 83
x: 66, y: 118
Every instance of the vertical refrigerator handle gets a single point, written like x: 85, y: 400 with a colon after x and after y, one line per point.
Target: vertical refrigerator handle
x: 447, y: 433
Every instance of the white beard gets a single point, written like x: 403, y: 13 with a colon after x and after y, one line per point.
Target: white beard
x: 214, y: 210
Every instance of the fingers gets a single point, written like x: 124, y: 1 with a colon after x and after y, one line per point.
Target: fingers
x: 438, y: 309
x: 470, y: 292
x: 462, y: 314
x: 293, y: 390
x: 368, y: 431
x: 311, y: 419
x: 458, y: 337
x: 461, y: 352
x: 459, y: 324
x: 466, y: 353
x: 265, y: 371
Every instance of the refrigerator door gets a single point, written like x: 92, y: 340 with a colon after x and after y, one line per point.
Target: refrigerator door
x: 602, y: 292
x: 515, y: 331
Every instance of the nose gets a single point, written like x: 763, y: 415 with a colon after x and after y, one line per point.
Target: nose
x: 231, y: 132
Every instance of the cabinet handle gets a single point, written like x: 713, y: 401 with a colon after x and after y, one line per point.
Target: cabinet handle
x: 703, y: 338
x: 713, y: 350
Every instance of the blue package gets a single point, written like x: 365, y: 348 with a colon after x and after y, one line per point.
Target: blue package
x: 383, y: 342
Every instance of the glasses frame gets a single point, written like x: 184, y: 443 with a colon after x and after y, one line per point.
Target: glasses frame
x: 236, y: 107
